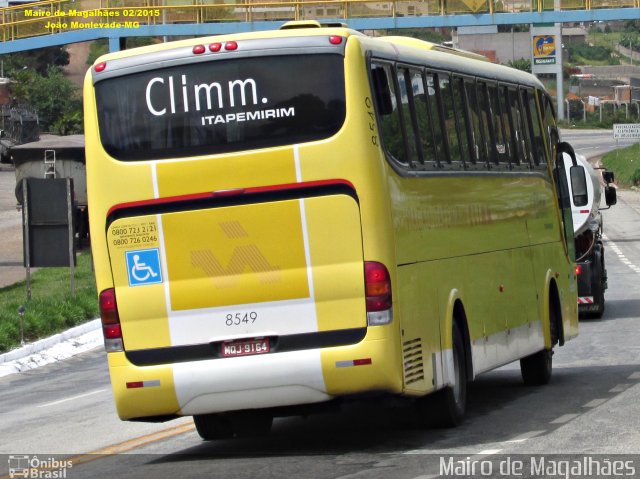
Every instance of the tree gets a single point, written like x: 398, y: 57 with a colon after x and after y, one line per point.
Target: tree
x: 39, y: 60
x: 632, y: 26
x: 55, y: 98
x: 523, y: 64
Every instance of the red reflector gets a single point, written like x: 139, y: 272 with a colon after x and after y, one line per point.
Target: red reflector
x: 100, y: 67
x: 109, y: 307
x: 112, y: 331
x: 578, y: 270
x: 231, y: 46
x: 584, y: 211
x: 237, y: 191
x: 335, y: 40
x: 361, y: 362
x: 198, y: 49
x: 215, y: 47
x: 135, y: 384
x: 377, y: 286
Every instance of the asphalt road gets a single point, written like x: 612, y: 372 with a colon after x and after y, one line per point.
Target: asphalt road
x: 592, y: 406
x: 593, y: 143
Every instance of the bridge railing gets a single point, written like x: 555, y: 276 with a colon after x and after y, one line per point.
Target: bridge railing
x: 55, y: 16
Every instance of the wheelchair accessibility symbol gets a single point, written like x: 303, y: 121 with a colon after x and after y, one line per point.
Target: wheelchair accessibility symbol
x: 143, y: 267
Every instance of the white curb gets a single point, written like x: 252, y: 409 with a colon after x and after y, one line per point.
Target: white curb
x: 61, y: 346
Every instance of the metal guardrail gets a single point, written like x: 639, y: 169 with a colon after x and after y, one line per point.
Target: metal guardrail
x: 56, y: 16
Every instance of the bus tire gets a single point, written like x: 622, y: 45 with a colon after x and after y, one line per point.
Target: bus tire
x: 213, y: 426
x: 251, y: 423
x: 536, y: 368
x: 447, y: 407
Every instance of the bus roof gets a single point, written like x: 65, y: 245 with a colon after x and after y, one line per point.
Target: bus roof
x: 417, y: 43
x: 391, y: 47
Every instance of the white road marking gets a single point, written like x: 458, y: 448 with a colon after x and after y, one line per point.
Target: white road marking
x: 595, y: 403
x: 487, y: 452
x: 73, y: 398
x: 620, y: 254
x: 635, y: 375
x: 564, y: 418
x: 524, y: 437
x: 620, y: 388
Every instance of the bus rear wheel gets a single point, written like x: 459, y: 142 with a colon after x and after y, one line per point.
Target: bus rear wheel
x: 213, y: 426
x: 536, y: 369
x: 235, y: 424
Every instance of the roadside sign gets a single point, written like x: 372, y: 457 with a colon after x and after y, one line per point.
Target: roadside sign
x: 626, y: 131
x: 544, y: 49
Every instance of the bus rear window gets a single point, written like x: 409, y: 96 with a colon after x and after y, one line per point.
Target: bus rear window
x: 221, y: 106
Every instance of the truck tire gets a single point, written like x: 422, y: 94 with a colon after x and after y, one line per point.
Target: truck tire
x: 597, y: 282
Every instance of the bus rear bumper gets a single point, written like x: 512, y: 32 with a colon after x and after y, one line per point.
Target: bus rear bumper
x: 252, y: 382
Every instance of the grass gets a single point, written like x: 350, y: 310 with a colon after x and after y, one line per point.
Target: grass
x: 625, y: 163
x: 51, y: 309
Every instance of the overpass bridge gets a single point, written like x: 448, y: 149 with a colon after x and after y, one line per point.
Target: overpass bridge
x: 59, y: 22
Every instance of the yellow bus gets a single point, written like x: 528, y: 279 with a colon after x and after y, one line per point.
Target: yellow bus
x: 287, y: 219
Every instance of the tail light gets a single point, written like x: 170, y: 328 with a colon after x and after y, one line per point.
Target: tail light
x: 378, y: 293
x: 110, y: 321
x: 578, y: 270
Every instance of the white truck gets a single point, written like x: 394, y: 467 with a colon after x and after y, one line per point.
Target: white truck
x: 587, y: 227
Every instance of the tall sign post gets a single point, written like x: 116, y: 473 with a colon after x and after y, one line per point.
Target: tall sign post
x: 546, y: 58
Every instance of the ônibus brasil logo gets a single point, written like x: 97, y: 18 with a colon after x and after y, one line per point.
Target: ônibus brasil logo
x: 37, y: 468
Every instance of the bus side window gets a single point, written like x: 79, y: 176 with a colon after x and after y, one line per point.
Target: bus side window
x: 502, y: 150
x: 489, y: 142
x: 407, y: 109
x: 381, y: 90
x: 549, y: 121
x: 462, y: 119
x: 449, y: 117
x: 527, y: 121
x: 421, y: 100
x: 518, y: 128
x: 388, y: 111
x: 538, y: 139
x: 509, y: 134
x: 472, y: 107
x: 436, y: 121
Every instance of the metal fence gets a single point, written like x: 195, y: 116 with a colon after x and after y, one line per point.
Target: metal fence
x: 56, y: 16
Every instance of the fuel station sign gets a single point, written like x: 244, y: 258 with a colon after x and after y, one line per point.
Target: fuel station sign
x: 544, y: 49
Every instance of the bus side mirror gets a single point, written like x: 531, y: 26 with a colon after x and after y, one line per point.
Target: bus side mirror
x: 608, y: 176
x: 610, y: 195
x: 578, y: 185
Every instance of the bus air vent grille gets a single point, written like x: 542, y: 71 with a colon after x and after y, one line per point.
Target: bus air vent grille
x: 413, y: 362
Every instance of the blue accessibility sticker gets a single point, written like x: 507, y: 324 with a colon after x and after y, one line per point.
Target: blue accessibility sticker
x: 143, y: 267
